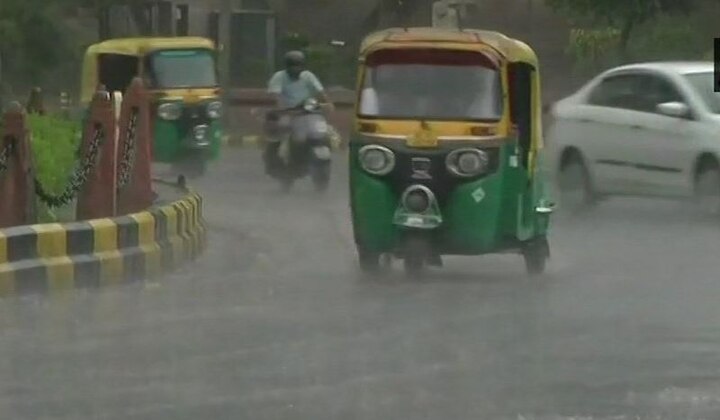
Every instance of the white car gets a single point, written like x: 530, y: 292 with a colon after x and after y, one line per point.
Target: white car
x: 649, y: 129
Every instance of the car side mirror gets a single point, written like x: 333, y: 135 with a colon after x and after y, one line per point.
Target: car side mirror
x: 674, y: 109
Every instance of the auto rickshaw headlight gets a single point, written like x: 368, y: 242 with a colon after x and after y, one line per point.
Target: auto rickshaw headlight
x: 214, y: 110
x: 377, y: 160
x: 467, y: 162
x: 169, y: 111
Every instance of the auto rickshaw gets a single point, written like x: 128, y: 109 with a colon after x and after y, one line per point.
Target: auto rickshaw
x: 445, y: 157
x: 181, y: 75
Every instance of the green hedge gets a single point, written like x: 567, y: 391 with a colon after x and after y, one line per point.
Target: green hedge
x: 54, y: 142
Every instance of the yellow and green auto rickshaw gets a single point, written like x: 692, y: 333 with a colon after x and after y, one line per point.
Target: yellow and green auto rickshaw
x: 445, y: 154
x: 181, y: 75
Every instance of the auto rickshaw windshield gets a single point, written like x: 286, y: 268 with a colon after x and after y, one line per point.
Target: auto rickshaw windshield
x: 431, y: 84
x: 192, y: 68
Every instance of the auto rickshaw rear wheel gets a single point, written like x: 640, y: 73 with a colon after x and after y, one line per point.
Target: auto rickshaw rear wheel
x: 369, y: 261
x: 536, y: 254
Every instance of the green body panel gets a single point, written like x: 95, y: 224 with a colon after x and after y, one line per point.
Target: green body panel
x: 491, y: 214
x: 169, y: 138
x: 373, y: 224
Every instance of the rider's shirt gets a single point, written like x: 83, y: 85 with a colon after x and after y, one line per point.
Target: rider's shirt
x: 294, y: 92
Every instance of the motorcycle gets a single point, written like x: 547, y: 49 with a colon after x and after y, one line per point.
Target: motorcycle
x: 298, y: 144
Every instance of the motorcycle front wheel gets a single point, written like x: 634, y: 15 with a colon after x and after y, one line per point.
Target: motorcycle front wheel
x: 320, y: 174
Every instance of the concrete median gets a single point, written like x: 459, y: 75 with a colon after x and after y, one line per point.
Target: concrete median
x: 95, y: 253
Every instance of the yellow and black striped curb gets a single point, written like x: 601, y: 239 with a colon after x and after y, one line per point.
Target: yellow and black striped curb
x: 51, y: 257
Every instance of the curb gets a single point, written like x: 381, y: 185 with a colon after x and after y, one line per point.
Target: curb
x: 95, y: 253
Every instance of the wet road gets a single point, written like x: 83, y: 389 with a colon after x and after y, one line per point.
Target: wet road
x: 274, y: 323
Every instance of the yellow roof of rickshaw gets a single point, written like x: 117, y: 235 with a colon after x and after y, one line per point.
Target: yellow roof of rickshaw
x: 140, y: 46
x: 511, y: 49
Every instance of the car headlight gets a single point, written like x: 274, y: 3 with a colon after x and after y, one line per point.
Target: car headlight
x: 169, y: 111
x: 377, y: 160
x: 468, y: 162
x: 214, y: 110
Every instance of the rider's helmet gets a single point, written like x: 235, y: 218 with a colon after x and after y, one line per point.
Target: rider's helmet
x: 294, y: 63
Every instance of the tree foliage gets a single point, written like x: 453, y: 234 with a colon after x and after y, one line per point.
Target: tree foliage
x: 31, y: 36
x: 623, y: 15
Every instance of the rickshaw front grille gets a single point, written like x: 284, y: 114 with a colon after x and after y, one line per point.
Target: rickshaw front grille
x: 434, y: 173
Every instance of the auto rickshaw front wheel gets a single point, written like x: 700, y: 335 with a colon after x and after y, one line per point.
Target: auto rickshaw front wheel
x: 536, y: 254
x: 320, y: 174
x: 415, y: 255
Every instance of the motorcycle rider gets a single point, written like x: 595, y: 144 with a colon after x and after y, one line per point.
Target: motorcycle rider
x: 291, y: 87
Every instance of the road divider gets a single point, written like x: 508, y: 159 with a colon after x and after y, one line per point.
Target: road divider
x: 94, y: 253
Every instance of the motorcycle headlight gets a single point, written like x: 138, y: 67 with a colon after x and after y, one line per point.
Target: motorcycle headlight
x: 311, y: 105
x: 468, y: 162
x: 377, y: 160
x: 214, y: 110
x: 170, y: 111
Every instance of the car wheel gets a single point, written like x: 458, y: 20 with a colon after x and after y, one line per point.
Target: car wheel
x: 707, y: 188
x: 576, y: 191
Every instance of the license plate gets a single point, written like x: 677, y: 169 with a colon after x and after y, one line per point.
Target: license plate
x: 322, y: 153
x: 415, y: 221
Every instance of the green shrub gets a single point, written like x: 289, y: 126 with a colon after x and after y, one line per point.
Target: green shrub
x: 55, y: 142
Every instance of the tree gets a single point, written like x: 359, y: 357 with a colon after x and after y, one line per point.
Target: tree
x: 623, y: 15
x: 31, y: 37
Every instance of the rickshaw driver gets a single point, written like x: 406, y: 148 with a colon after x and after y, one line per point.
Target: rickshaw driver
x: 292, y: 87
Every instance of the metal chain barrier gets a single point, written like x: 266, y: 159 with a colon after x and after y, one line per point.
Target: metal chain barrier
x: 127, y: 161
x: 4, y: 156
x: 79, y: 176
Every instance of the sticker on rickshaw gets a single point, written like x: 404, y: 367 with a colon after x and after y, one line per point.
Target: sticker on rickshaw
x: 478, y: 195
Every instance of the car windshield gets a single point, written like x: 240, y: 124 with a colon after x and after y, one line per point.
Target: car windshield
x: 432, y: 85
x: 183, y: 69
x: 703, y: 83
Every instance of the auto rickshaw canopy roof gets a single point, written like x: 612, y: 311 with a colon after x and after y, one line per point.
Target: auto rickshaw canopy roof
x: 508, y: 48
x: 142, y: 46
